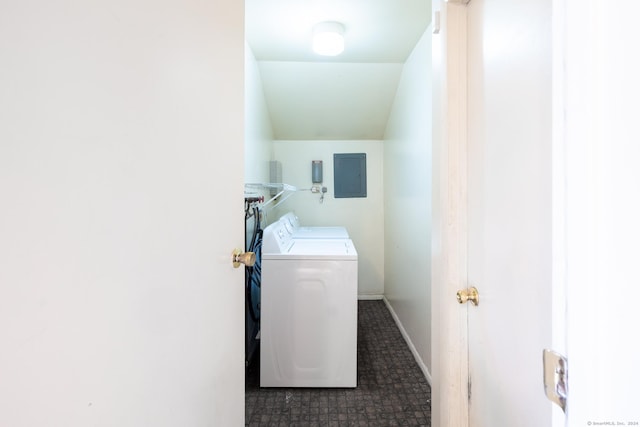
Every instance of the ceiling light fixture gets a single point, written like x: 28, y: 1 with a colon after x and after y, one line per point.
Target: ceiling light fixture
x: 328, y: 38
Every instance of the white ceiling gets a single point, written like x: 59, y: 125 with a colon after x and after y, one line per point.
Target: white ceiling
x: 345, y: 97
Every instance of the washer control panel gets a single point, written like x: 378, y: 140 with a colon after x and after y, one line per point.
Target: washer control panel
x: 277, y: 237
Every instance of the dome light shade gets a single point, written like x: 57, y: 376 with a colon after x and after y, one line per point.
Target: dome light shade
x: 328, y: 38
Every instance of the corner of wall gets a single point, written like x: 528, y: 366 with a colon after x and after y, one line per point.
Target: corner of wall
x: 258, y: 139
x: 407, y: 338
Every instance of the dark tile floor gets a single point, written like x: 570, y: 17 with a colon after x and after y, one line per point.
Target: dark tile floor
x: 392, y: 390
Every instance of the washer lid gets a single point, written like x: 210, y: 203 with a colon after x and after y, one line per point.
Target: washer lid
x: 321, y: 249
x: 320, y: 233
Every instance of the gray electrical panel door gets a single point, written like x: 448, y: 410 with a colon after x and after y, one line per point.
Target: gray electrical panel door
x: 350, y: 175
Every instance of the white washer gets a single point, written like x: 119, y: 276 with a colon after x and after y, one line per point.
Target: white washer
x: 309, y: 311
x: 299, y: 232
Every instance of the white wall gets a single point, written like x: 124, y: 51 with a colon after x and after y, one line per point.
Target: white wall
x: 597, y: 89
x: 407, y: 201
x: 258, y: 139
x: 113, y: 115
x: 363, y: 217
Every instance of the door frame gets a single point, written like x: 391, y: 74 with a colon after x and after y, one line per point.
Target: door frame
x: 450, y: 364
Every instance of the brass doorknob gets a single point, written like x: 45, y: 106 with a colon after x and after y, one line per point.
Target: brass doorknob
x: 246, y: 258
x: 469, y: 294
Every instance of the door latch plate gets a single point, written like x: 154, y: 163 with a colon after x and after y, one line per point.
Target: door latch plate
x: 555, y: 377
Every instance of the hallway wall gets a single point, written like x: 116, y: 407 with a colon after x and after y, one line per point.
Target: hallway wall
x: 363, y: 217
x: 407, y: 202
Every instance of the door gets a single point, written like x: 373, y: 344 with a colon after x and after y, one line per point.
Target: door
x: 509, y: 209
x: 121, y: 189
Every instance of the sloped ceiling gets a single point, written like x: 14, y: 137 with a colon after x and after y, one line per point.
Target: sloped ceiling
x: 334, y: 98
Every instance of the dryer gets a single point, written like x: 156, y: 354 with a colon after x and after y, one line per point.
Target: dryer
x: 300, y: 232
x: 309, y: 311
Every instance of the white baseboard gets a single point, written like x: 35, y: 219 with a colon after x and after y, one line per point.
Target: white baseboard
x: 416, y: 356
x: 370, y: 297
